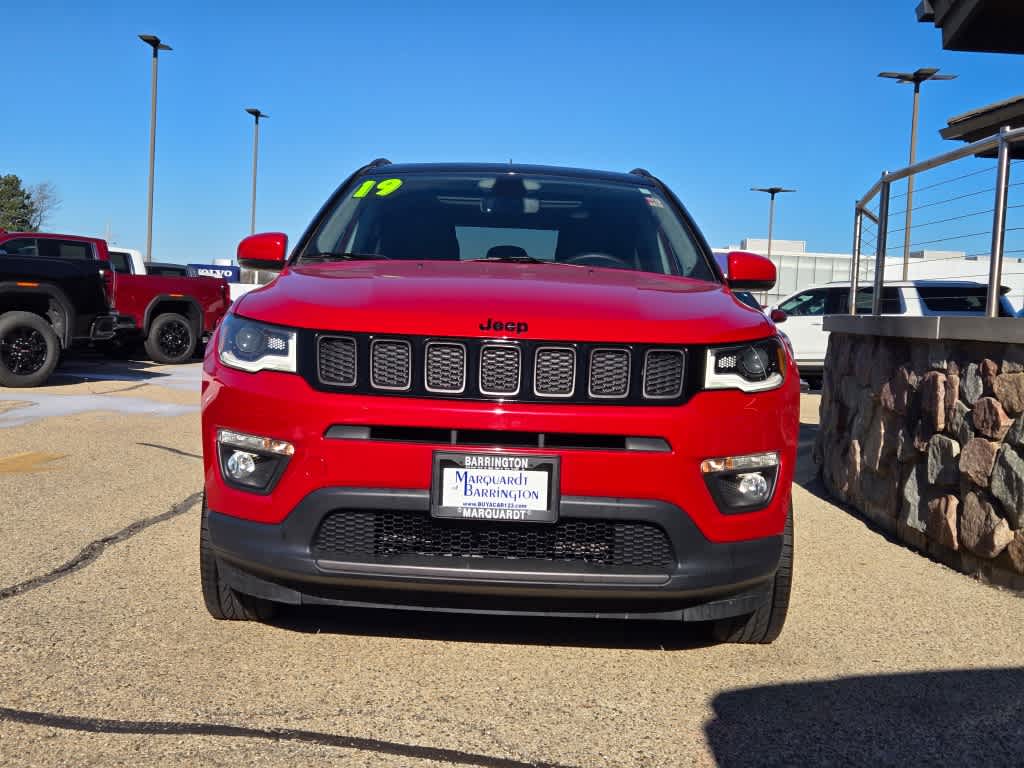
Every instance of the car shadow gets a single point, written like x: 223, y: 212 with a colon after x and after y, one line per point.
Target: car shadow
x: 631, y: 634
x: 78, y: 366
x: 955, y: 718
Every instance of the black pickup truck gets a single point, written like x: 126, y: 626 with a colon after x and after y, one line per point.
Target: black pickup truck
x: 46, y: 305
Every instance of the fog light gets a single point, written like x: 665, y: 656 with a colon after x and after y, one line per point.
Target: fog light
x: 252, y: 462
x: 752, y: 485
x: 241, y: 464
x: 741, y: 483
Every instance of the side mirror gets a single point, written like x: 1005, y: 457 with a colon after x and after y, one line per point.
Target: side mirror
x: 268, y: 250
x: 749, y: 272
x: 778, y: 316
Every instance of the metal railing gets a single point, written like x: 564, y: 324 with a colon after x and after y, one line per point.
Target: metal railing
x: 867, y: 222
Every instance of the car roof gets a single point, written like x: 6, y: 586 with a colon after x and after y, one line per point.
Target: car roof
x: 46, y: 235
x: 400, y: 169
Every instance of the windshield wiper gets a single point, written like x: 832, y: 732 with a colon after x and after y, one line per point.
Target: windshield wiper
x: 519, y: 259
x: 343, y: 256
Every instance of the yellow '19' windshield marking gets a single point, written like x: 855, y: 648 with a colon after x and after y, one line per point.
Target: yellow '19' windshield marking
x: 384, y: 187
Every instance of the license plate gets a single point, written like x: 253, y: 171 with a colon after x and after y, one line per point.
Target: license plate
x: 495, y: 486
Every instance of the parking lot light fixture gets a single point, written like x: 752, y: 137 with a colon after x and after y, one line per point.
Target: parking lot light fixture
x: 916, y: 77
x: 256, y: 114
x: 773, y: 191
x: 157, y: 45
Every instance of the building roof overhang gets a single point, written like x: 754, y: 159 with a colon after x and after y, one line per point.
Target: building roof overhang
x: 987, y: 121
x: 976, y: 25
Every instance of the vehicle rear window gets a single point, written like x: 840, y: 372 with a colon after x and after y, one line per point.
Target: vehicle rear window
x: 121, y: 262
x: 956, y: 298
x: 64, y: 249
x: 460, y: 216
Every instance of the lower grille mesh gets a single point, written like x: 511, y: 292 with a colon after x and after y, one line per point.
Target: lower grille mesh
x: 382, y: 534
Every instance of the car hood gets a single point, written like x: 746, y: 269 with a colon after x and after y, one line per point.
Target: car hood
x: 537, y: 301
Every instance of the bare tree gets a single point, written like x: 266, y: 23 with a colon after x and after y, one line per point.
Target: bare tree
x: 44, y: 202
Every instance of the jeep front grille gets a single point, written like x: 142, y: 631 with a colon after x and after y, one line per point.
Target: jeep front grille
x: 486, y: 369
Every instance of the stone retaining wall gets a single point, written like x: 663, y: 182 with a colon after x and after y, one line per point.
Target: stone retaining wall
x: 926, y: 439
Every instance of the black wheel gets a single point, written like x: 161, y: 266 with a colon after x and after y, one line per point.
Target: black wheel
x: 29, y: 350
x: 765, y: 624
x: 171, y: 339
x: 221, y: 600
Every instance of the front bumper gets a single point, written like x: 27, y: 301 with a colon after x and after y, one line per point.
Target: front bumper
x: 704, y: 580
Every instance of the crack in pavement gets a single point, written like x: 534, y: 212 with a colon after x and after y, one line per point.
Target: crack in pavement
x: 124, y: 389
x: 171, y: 728
x: 172, y: 450
x: 95, y: 548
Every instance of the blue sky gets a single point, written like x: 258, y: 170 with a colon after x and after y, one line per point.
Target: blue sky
x: 713, y: 97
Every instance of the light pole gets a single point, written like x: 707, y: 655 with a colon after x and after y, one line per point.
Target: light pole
x: 773, y: 191
x: 153, y: 42
x: 916, y: 78
x: 255, y: 154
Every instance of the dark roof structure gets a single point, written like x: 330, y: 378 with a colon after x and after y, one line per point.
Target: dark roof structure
x: 987, y: 121
x: 992, y: 26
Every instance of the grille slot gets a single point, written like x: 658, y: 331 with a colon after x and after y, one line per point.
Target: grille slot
x: 663, y: 374
x: 383, y: 534
x: 500, y: 369
x: 391, y: 364
x: 336, y: 360
x: 554, y: 372
x: 609, y: 373
x: 445, y: 367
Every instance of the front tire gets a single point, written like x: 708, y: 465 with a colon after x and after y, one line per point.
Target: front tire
x: 764, y: 625
x: 29, y: 350
x: 171, y: 339
x: 222, y: 601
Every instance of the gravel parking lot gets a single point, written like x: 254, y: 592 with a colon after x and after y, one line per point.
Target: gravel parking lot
x: 107, y: 656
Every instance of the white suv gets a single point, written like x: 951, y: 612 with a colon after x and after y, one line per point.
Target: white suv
x: 806, y: 311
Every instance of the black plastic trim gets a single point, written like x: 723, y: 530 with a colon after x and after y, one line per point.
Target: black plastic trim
x: 497, y: 438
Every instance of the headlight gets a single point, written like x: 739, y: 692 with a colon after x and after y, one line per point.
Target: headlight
x: 753, y: 367
x: 251, y: 346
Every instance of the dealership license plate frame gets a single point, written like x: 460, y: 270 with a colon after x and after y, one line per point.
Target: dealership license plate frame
x: 549, y: 464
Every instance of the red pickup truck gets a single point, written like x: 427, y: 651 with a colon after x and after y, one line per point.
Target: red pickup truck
x: 170, y: 314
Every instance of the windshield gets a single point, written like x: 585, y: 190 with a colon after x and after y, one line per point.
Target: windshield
x: 509, y: 217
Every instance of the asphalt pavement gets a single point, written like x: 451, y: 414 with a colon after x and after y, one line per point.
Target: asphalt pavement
x: 107, y: 656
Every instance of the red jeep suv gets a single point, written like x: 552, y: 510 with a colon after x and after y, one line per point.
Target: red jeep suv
x: 490, y: 388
